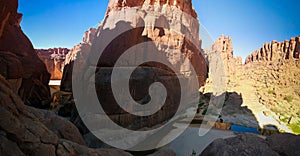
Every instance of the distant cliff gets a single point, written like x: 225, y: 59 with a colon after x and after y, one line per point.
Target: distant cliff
x: 276, y: 51
x: 222, y: 49
x: 54, y: 58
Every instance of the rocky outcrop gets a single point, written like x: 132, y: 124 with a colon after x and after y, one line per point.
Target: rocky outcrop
x: 222, y: 49
x: 54, y: 59
x: 145, y: 21
x: 78, y: 53
x: 19, y: 63
x: 276, y: 51
x: 184, y: 5
x: 249, y: 144
x: 25, y: 130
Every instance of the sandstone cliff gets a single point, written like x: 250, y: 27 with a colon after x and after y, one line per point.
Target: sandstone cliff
x: 221, y: 57
x: 224, y: 46
x: 78, y: 53
x: 277, y: 51
x: 184, y: 5
x: 172, y: 29
x: 54, y: 60
x: 19, y: 63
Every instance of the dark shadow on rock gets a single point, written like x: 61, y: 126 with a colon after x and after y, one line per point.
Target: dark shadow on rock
x: 232, y: 113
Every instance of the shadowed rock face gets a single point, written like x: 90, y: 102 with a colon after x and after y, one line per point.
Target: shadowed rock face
x: 54, y: 60
x: 276, y: 51
x: 78, y: 53
x: 249, y: 144
x: 157, y: 22
x: 25, y: 130
x: 19, y: 63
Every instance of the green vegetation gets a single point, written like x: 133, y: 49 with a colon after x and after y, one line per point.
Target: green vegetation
x: 271, y: 91
x: 193, y: 153
x: 295, y: 128
x: 201, y: 103
x: 289, y: 98
x: 284, y: 119
x: 204, y: 112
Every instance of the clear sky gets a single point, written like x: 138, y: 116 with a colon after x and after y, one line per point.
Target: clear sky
x: 250, y: 23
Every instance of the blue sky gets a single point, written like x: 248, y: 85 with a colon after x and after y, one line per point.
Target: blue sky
x: 250, y: 23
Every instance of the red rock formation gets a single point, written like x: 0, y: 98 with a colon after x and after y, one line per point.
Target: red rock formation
x: 276, y: 51
x: 25, y: 130
x: 18, y: 61
x: 79, y: 53
x: 223, y: 47
x: 158, y: 21
x: 54, y: 60
x: 159, y: 14
x: 184, y: 5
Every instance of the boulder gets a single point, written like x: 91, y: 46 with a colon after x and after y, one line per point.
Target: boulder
x: 29, y: 131
x: 285, y: 144
x: 242, y: 144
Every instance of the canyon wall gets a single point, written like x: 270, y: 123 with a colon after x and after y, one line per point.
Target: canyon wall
x: 54, y: 59
x: 276, y: 51
x: 167, y: 27
x: 19, y: 63
x: 25, y: 130
x: 78, y: 53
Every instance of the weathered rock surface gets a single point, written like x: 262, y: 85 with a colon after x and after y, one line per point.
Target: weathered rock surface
x: 184, y: 5
x: 276, y: 51
x: 250, y: 144
x: 163, y: 152
x: 29, y: 131
x: 222, y: 62
x: 19, y: 63
x: 78, y: 53
x: 285, y: 144
x: 54, y: 59
x: 176, y: 39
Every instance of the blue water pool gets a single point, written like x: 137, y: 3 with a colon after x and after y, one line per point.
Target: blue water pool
x: 237, y: 128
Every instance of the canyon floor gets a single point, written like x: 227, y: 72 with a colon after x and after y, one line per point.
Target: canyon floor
x: 262, y: 96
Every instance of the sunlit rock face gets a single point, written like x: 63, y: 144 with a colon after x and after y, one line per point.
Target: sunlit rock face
x: 168, y: 27
x: 19, y: 63
x: 224, y: 49
x: 54, y: 59
x: 276, y: 51
x: 78, y: 53
x: 184, y: 5
x: 172, y: 25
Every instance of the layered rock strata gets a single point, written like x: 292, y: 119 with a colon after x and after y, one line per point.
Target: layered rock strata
x: 167, y: 27
x: 54, y: 59
x: 276, y: 51
x: 222, y: 62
